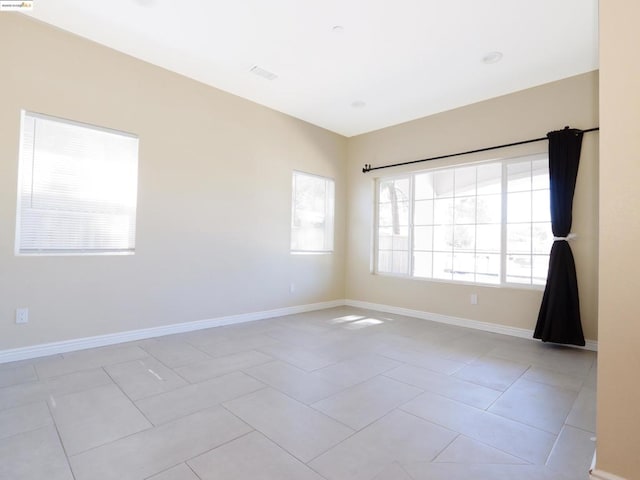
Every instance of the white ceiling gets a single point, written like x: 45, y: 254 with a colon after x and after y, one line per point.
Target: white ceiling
x: 404, y: 59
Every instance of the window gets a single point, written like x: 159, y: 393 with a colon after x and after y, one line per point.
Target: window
x: 312, y: 213
x: 483, y: 223
x: 77, y: 188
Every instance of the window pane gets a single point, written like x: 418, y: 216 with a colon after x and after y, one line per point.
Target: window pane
x: 401, y: 239
x: 464, y: 266
x: 465, y: 181
x: 540, y: 208
x: 393, y: 215
x: 464, y: 238
x: 385, y: 192
x: 488, y: 238
x: 312, y: 213
x: 424, y: 186
x: 385, y: 219
x: 519, y: 176
x: 423, y: 238
x: 442, y: 265
x: 465, y: 210
x: 443, y: 212
x: 423, y: 212
x: 540, y: 174
x: 519, y: 207
x: 385, y: 238
x: 310, y: 194
x: 488, y: 268
x: 400, y: 214
x: 519, y: 269
x: 394, y: 191
x: 489, y: 178
x: 519, y: 238
x: 489, y: 208
x: 402, y: 189
x: 307, y: 238
x: 400, y: 262
x: 443, y: 181
x: 422, y: 264
x: 385, y: 260
x: 541, y: 237
x: 443, y: 237
x: 540, y: 268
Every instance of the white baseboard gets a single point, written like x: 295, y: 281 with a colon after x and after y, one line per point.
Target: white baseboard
x: 54, y: 348
x: 600, y: 475
x: 460, y: 322
x: 595, y: 474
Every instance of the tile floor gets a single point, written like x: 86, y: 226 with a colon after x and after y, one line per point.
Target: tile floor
x: 336, y: 394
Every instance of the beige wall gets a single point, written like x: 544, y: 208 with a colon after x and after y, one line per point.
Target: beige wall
x: 527, y: 114
x: 619, y: 328
x: 214, y: 196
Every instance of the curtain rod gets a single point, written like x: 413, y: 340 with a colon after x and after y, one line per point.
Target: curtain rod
x: 368, y: 168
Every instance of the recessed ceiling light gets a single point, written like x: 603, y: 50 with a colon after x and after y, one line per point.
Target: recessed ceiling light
x: 145, y: 3
x: 358, y: 104
x: 492, y: 57
x: 337, y: 29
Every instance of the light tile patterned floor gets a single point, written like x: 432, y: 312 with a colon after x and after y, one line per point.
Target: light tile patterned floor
x: 336, y: 394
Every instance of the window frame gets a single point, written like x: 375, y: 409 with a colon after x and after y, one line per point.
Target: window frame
x: 503, y: 283
x: 44, y: 252
x: 329, y: 208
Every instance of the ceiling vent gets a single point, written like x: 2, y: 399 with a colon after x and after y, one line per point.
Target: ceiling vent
x: 261, y: 72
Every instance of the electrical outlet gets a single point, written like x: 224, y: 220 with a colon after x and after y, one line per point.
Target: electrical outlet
x: 22, y: 315
x: 474, y: 299
x: 292, y: 287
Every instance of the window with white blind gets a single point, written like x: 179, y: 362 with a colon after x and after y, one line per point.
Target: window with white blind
x: 77, y: 188
x: 481, y: 223
x: 312, y: 213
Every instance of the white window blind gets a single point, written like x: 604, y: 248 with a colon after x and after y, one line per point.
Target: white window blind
x: 312, y: 213
x: 77, y: 188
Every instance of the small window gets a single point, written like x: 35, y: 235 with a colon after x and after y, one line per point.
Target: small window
x: 77, y: 188
x: 482, y: 223
x: 312, y: 213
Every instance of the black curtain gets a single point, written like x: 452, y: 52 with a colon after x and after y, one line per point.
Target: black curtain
x: 559, y: 317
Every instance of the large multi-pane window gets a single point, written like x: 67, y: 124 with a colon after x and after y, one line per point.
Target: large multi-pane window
x: 481, y: 223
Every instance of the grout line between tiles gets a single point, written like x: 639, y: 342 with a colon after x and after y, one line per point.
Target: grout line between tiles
x: 474, y: 439
x: 505, y: 391
x: 64, y: 449
x: 130, y: 400
x: 273, y: 440
x: 445, y: 447
x: 186, y: 461
x: 546, y: 460
x: 405, y: 470
x: 194, y: 472
x: 219, y: 404
x: 593, y: 434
